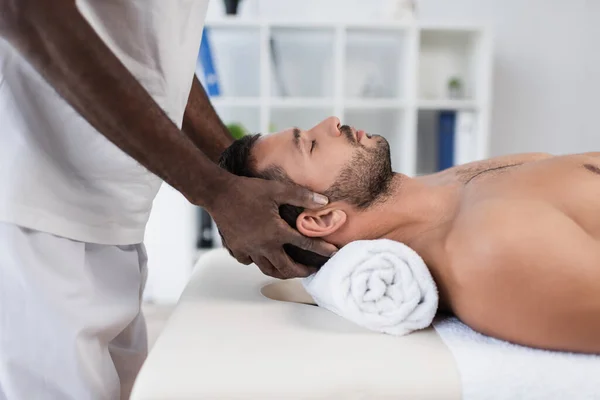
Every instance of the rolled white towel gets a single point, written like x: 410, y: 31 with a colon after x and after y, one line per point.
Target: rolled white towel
x: 380, y: 285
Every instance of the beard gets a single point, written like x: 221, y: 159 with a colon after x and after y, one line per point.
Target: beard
x: 367, y: 178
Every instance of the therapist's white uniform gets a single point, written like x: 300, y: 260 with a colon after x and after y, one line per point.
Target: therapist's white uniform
x: 73, y: 209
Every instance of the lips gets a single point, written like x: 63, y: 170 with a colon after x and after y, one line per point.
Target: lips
x: 359, y: 135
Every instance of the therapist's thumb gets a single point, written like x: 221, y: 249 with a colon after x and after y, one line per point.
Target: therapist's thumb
x: 301, y: 197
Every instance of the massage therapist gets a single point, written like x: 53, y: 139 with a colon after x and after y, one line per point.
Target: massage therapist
x: 98, y: 106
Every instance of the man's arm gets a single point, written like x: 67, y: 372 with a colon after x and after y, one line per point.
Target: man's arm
x: 67, y: 52
x: 202, y: 125
x: 59, y: 43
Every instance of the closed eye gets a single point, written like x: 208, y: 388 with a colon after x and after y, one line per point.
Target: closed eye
x: 312, y: 145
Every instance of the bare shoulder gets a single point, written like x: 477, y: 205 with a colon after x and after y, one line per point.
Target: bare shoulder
x: 594, y: 154
x: 527, y: 273
x: 488, y: 240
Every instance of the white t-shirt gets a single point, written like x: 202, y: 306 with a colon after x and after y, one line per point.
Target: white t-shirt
x: 57, y: 173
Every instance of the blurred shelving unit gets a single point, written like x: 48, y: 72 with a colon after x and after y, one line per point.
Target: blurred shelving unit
x: 388, y: 78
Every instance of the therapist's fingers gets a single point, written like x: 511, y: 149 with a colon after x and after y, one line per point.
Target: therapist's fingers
x: 289, y: 193
x: 241, y: 258
x: 224, y: 243
x: 288, y: 268
x: 318, y: 246
x: 267, y: 268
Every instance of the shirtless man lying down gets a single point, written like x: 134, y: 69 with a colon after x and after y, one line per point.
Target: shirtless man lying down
x: 513, y: 242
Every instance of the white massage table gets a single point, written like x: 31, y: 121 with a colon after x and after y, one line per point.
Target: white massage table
x: 227, y: 340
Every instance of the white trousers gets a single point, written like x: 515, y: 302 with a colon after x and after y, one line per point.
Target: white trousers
x: 71, y: 325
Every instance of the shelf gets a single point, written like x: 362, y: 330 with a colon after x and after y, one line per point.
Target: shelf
x: 241, y: 23
x: 301, y: 102
x: 448, y: 104
x: 445, y: 54
x: 308, y: 102
x: 236, y: 22
x: 373, y: 26
x: 464, y: 139
x: 379, y: 26
x: 385, y: 77
x: 235, y: 101
x: 374, y: 104
x: 312, y: 25
x: 452, y: 27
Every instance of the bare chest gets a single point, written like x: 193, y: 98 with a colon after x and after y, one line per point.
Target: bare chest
x: 570, y: 185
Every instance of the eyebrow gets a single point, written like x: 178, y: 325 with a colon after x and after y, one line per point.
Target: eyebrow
x: 296, y: 133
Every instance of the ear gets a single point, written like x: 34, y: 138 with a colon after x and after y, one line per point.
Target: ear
x: 320, y: 223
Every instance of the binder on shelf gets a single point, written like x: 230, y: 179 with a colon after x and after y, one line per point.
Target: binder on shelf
x: 464, y: 139
x: 211, y: 77
x: 446, y: 133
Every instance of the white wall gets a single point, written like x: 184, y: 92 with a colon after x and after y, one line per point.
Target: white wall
x: 170, y: 241
x: 547, y: 61
x: 547, y: 70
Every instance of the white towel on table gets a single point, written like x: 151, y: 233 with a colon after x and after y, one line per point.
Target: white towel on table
x: 380, y: 285
x: 492, y: 369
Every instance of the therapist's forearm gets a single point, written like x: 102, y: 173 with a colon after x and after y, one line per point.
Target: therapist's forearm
x: 59, y: 43
x: 202, y: 124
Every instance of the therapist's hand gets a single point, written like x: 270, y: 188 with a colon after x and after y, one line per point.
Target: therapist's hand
x: 247, y: 215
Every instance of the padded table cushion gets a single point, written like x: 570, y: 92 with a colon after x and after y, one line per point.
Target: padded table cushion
x: 227, y: 340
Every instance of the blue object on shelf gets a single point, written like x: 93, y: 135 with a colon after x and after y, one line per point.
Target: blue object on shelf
x: 211, y: 77
x: 446, y: 133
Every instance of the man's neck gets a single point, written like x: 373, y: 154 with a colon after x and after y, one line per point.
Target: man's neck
x: 419, y: 213
x: 413, y: 212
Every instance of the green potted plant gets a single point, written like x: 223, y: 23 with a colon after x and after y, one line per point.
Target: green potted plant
x: 237, y: 130
x: 455, y: 88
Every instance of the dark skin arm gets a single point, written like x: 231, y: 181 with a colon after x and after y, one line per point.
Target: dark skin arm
x: 202, y: 125
x: 59, y: 43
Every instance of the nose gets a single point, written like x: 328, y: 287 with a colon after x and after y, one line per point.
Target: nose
x: 332, y: 125
x: 328, y: 127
